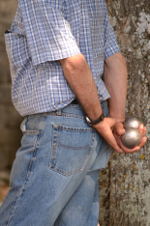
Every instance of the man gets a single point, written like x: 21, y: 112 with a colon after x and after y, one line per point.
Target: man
x: 58, y: 52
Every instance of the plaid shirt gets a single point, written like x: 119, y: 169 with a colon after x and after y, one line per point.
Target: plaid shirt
x: 45, y: 31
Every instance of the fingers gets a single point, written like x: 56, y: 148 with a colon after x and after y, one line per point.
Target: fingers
x: 143, y: 142
x: 119, y: 128
x: 111, y: 131
x: 112, y: 142
x: 135, y: 149
x: 110, y: 139
x: 126, y: 150
x: 142, y: 130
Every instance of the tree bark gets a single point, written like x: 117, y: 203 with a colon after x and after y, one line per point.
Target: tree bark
x: 125, y: 184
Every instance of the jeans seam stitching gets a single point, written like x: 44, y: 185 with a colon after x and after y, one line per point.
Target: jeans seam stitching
x: 61, y: 127
x: 23, y: 188
x: 54, y: 147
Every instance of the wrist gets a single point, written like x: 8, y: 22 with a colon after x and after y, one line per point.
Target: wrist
x: 117, y: 118
x: 95, y: 121
x: 117, y: 113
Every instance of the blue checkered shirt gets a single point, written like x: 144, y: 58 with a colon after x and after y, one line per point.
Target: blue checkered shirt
x: 45, y: 31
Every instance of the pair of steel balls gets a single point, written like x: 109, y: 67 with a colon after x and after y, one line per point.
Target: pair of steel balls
x: 132, y: 136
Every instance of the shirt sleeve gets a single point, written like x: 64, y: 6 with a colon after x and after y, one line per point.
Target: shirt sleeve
x: 111, y: 45
x: 49, y: 34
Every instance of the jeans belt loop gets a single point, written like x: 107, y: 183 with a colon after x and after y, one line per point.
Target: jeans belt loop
x: 59, y: 112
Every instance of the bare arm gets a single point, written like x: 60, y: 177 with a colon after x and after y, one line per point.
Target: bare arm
x: 115, y: 77
x: 79, y: 78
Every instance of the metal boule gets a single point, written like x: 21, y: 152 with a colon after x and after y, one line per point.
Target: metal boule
x: 132, y: 123
x: 131, y: 138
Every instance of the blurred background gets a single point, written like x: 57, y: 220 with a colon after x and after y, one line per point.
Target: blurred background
x: 125, y: 184
x: 9, y: 118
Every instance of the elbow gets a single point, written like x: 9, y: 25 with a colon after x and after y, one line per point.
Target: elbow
x: 116, y: 62
x: 74, y: 64
x: 122, y: 59
x: 118, y: 57
x: 124, y: 65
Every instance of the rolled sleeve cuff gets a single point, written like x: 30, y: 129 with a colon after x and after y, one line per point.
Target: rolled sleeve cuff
x: 54, y: 53
x: 113, y: 49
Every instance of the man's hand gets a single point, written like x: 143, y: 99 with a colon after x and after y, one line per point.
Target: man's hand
x: 119, y: 130
x: 105, y: 129
x: 111, y: 130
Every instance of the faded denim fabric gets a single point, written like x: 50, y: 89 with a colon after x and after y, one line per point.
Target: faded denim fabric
x: 54, y: 178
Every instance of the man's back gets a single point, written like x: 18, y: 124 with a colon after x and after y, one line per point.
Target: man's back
x: 42, y: 33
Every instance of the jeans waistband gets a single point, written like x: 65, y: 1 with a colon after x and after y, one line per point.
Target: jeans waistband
x: 72, y: 108
x: 72, y: 112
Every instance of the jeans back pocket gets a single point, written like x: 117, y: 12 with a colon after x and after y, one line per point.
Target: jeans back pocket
x: 70, y: 149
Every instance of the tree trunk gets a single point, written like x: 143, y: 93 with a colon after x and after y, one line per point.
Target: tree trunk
x: 125, y: 184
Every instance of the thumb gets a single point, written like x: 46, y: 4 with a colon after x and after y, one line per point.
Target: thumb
x: 119, y: 128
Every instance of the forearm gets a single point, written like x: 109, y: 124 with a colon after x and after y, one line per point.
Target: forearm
x: 115, y: 77
x: 79, y: 78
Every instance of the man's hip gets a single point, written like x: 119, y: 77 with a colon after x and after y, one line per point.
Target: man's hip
x: 57, y: 150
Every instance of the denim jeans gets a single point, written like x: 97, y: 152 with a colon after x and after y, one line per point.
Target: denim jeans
x: 54, y: 177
